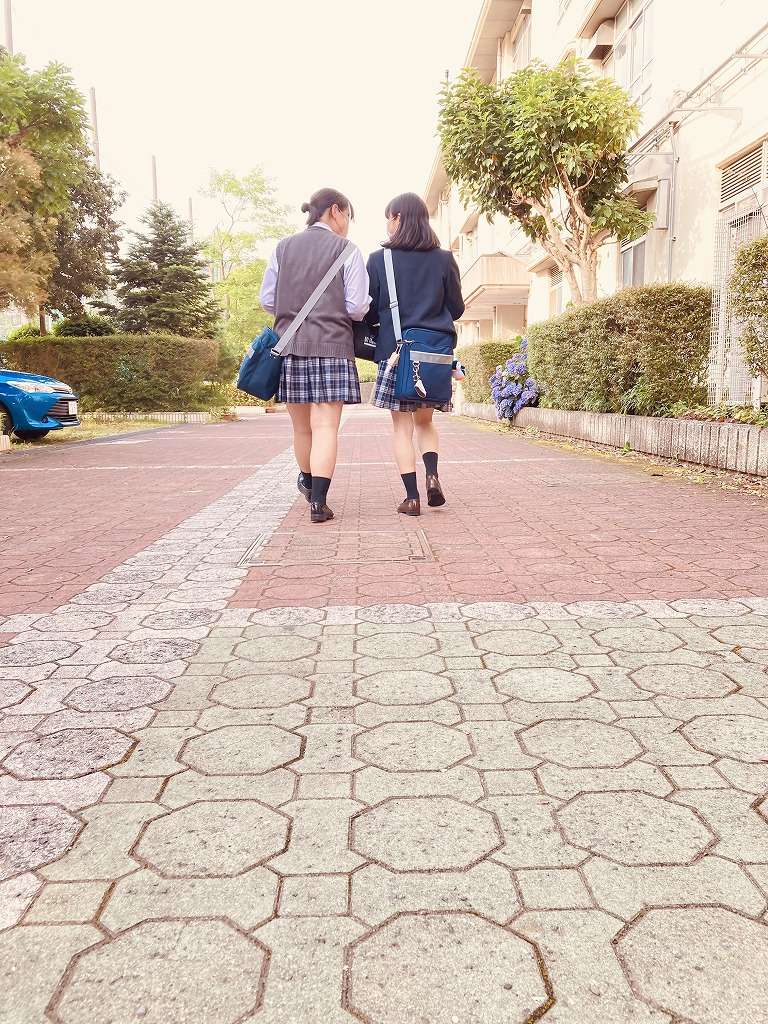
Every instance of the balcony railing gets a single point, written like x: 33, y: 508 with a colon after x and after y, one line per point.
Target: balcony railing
x: 493, y: 272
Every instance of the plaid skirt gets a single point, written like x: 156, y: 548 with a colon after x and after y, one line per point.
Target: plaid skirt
x: 318, y: 379
x: 384, y: 394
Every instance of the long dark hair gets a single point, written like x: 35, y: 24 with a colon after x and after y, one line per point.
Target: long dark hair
x: 323, y: 200
x: 414, y: 230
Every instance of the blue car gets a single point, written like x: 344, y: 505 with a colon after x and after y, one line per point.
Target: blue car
x: 31, y: 405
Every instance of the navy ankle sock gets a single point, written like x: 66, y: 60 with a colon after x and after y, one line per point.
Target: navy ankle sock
x: 320, y: 485
x: 305, y: 479
x: 411, y: 487
x: 430, y: 463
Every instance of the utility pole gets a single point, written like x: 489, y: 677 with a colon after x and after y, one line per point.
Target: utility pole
x: 8, y: 27
x: 154, y: 180
x: 95, y: 130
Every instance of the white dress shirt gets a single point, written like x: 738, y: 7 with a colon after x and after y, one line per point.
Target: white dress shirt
x: 356, y: 297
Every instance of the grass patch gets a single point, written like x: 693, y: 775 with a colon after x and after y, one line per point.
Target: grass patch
x: 90, y: 429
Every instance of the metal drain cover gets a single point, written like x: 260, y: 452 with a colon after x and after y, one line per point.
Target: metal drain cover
x: 320, y: 547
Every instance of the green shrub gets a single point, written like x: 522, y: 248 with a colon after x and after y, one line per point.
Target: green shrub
x: 638, y: 351
x: 25, y: 331
x: 366, y: 370
x: 123, y: 372
x: 480, y: 361
x: 749, y: 300
x: 225, y: 396
x: 86, y: 326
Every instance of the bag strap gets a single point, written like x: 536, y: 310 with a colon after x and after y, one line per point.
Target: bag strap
x: 306, y: 309
x: 393, y: 304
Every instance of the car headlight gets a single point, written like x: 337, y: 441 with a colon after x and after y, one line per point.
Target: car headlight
x: 31, y: 387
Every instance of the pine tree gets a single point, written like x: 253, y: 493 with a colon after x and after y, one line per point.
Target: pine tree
x: 162, y: 281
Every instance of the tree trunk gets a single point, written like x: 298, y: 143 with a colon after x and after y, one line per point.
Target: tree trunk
x: 41, y: 321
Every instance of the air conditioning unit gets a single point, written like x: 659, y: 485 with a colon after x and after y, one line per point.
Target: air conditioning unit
x: 601, y: 43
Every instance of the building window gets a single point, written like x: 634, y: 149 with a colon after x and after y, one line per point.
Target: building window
x: 630, y: 62
x: 521, y: 48
x: 633, y: 263
x: 555, y: 292
x: 745, y: 176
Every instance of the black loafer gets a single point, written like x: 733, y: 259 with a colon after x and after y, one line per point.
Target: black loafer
x: 303, y: 489
x: 319, y: 513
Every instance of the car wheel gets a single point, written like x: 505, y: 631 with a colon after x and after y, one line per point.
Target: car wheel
x: 6, y: 421
x: 30, y: 435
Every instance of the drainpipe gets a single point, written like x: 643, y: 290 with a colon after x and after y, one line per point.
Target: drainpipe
x: 672, y: 209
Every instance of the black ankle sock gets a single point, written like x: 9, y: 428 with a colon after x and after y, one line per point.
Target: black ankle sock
x: 430, y: 463
x: 305, y: 479
x: 320, y: 485
x: 411, y: 487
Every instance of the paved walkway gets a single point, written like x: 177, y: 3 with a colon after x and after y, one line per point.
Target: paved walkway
x: 502, y: 763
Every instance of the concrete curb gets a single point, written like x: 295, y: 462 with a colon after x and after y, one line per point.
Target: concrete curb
x: 739, y: 447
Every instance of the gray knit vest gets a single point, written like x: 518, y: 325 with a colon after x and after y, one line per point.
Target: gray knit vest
x: 303, y: 260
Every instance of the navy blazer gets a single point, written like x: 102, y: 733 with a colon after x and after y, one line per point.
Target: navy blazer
x: 428, y: 294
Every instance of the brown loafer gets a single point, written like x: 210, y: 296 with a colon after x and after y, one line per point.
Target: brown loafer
x: 435, y: 496
x: 410, y: 507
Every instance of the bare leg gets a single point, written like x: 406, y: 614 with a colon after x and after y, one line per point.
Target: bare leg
x: 324, y: 418
x: 426, y: 431
x: 302, y: 433
x: 405, y: 456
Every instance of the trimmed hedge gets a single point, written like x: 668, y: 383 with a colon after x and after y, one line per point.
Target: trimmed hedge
x: 88, y: 325
x: 638, y: 351
x: 122, y: 372
x: 480, y: 361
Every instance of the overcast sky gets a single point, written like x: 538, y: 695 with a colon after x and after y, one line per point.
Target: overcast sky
x: 320, y: 92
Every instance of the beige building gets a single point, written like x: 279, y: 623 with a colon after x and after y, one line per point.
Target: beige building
x: 700, y: 162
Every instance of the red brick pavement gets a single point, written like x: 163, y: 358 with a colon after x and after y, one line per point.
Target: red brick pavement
x: 523, y: 522
x: 71, y: 513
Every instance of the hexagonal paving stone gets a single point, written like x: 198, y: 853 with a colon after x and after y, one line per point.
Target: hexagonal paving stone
x: 404, y: 688
x: 276, y: 648
x: 743, y: 636
x: 430, y: 834
x: 221, y: 838
x: 580, y: 743
x: 118, y: 693
x: 701, y: 964
x: 242, y: 750
x: 164, y: 972
x: 13, y: 693
x: 180, y: 619
x: 36, y: 652
x: 412, y: 746
x: 516, y: 641
x: 33, y: 836
x: 738, y: 736
x: 68, y: 754
x: 154, y: 652
x: 638, y: 639
x: 442, y: 967
x: 396, y: 645
x: 634, y: 828
x: 261, y: 692
x: 543, y: 684
x: 683, y: 681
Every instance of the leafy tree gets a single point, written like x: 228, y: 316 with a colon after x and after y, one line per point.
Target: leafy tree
x: 42, y: 124
x: 546, y: 147
x: 162, y: 281
x: 250, y: 214
x: 24, y: 265
x: 246, y: 316
x: 86, y: 242
x: 749, y: 301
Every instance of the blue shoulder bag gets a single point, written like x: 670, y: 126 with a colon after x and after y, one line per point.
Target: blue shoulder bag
x: 259, y: 373
x: 425, y: 358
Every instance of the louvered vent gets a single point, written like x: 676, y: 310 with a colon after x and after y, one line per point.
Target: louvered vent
x: 745, y: 174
